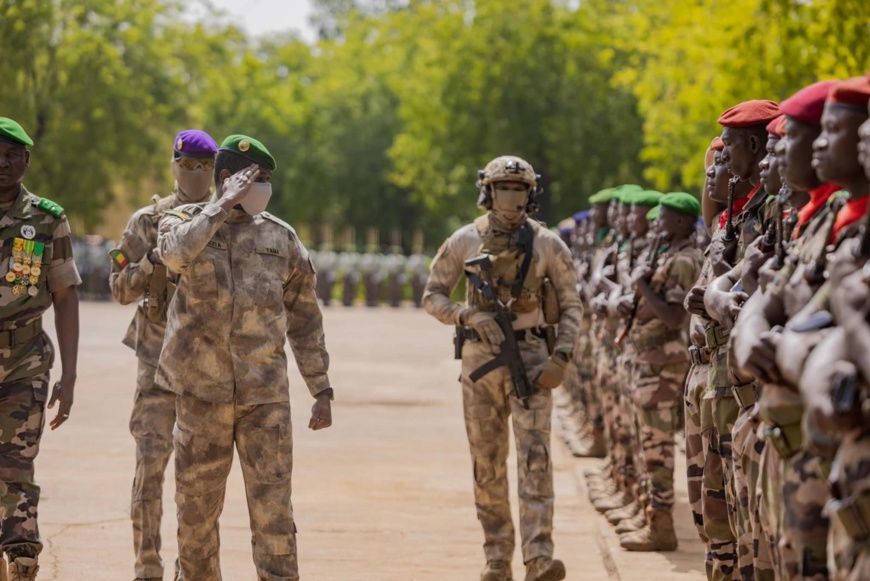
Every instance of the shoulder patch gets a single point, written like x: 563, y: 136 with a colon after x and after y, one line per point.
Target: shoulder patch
x: 119, y: 257
x: 48, y: 206
x: 278, y: 221
x: 178, y: 214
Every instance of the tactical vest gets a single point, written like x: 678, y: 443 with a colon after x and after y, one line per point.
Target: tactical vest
x: 507, y: 259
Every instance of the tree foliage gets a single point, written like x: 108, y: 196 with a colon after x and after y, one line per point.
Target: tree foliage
x: 385, y: 119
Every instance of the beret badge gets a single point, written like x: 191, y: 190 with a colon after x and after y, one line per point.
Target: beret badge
x: 244, y: 145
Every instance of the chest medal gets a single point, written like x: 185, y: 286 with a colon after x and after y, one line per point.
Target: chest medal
x: 25, y: 263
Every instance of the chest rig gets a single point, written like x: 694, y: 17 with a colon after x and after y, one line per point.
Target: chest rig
x: 510, y: 276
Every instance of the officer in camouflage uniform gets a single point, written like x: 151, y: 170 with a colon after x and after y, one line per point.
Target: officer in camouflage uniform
x: 138, y: 274
x: 38, y: 271
x: 511, y: 239
x: 659, y: 370
x: 229, y: 372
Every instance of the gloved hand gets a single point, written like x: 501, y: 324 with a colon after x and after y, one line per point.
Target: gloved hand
x: 485, y: 325
x: 552, y: 372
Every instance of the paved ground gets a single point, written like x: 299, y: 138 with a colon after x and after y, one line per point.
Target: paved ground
x: 385, y: 494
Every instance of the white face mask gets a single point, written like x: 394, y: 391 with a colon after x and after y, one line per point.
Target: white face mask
x: 257, y: 198
x: 193, y: 184
x: 510, y: 205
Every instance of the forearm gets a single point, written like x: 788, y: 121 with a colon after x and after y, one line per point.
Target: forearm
x: 439, y: 305
x: 180, y: 242
x: 672, y: 314
x: 305, y: 332
x: 130, y: 283
x: 66, y: 323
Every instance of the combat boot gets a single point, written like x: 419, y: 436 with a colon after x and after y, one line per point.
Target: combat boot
x: 597, y: 494
x: 598, y: 471
x: 618, y: 515
x: 636, y: 523
x: 23, y: 569
x: 591, y: 445
x: 618, y: 500
x: 496, y: 571
x: 657, y: 535
x: 545, y: 569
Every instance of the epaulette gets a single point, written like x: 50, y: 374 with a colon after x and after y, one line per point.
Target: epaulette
x: 177, y: 214
x: 48, y: 206
x: 278, y: 221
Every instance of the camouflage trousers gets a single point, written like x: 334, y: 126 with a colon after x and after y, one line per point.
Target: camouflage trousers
x: 849, y: 545
x: 805, y: 492
x: 489, y: 407
x: 696, y: 383
x: 151, y: 425
x: 205, y: 435
x: 769, y: 499
x: 22, y: 419
x: 754, y: 560
x: 623, y: 436
x: 657, y: 393
x: 718, y: 414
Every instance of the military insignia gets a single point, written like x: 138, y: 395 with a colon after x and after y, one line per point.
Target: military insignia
x: 28, y: 231
x: 216, y: 244
x: 34, y: 278
x: 18, y: 290
x: 119, y: 258
x: 178, y: 214
x: 244, y: 145
x: 48, y: 206
x: 33, y: 291
x: 268, y: 250
x: 178, y: 144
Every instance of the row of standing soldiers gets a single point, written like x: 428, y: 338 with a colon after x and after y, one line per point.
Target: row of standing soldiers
x: 759, y: 351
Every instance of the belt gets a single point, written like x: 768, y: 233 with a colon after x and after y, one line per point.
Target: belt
x: 786, y: 440
x: 15, y: 337
x: 699, y: 355
x: 854, y: 515
x: 470, y: 334
x: 745, y: 394
x: 716, y: 336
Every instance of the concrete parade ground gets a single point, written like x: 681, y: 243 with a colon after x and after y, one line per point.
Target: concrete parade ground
x: 385, y: 494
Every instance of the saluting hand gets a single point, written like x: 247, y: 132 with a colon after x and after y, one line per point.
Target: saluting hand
x: 236, y: 187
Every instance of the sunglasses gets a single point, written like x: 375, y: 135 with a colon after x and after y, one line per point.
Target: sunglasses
x: 194, y: 163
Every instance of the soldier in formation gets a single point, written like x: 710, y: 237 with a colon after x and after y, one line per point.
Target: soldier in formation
x: 139, y: 275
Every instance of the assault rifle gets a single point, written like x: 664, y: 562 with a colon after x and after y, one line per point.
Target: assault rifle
x: 509, y: 355
x: 730, y: 232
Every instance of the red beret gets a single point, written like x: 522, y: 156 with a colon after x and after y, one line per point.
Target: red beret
x: 853, y: 92
x: 750, y: 113
x: 777, y: 126
x: 717, y: 144
x: 807, y: 104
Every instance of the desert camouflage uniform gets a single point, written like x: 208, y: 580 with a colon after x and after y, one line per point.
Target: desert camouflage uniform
x: 488, y: 403
x: 660, y: 372
x: 153, y: 413
x: 786, y: 485
x: 246, y: 286
x: 26, y: 356
x: 599, y: 398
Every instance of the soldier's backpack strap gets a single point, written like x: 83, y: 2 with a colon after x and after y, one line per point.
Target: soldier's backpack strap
x: 48, y: 206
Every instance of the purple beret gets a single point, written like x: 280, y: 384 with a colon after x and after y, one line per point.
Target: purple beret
x: 195, y: 143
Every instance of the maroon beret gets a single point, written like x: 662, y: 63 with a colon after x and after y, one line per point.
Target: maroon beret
x: 717, y: 144
x: 750, y: 113
x: 777, y: 126
x: 807, y: 104
x: 853, y: 92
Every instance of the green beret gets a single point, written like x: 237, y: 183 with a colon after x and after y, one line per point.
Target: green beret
x: 682, y: 202
x: 653, y: 214
x: 602, y: 197
x: 645, y: 198
x: 13, y: 132
x: 250, y: 149
x: 628, y: 188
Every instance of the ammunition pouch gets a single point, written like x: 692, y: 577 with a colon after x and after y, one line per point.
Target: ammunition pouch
x: 160, y: 293
x: 699, y: 355
x: 550, y: 303
x: 745, y: 395
x: 786, y: 440
x: 716, y: 336
x: 854, y: 515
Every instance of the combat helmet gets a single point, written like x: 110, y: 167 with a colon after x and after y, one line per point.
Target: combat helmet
x: 508, y: 168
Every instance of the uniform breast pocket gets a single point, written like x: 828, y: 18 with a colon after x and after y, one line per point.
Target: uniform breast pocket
x: 202, y: 283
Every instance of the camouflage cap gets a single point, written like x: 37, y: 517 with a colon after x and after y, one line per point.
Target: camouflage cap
x: 249, y: 148
x: 508, y: 168
x: 12, y: 132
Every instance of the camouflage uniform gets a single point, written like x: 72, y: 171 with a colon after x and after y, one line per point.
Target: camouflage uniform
x: 35, y: 260
x: 230, y: 375
x: 659, y: 373
x: 153, y: 416
x: 488, y: 403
